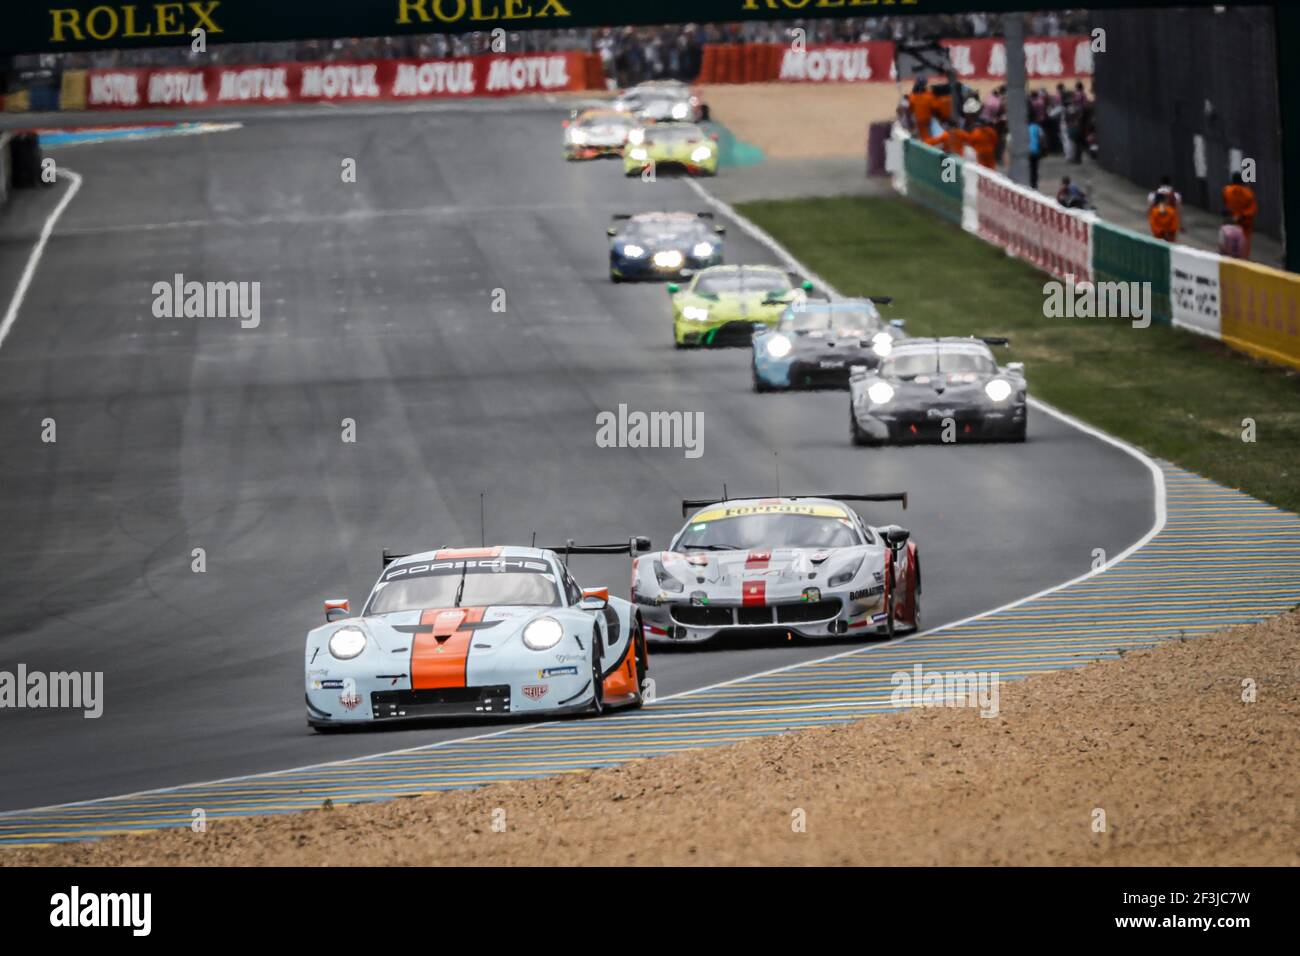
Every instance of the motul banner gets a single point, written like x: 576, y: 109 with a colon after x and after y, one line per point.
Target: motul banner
x: 487, y: 75
x: 838, y: 63
x: 1045, y: 57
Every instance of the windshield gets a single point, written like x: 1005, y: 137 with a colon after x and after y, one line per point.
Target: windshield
x: 742, y: 280
x: 493, y: 581
x: 926, y: 364
x: 747, y: 532
x: 591, y: 120
x: 668, y: 226
x: 672, y: 134
x: 842, y: 321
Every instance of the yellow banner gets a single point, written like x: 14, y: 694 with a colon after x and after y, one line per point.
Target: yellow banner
x: 776, y: 508
x: 1260, y: 311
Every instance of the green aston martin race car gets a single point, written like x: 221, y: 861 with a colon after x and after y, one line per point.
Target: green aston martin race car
x: 666, y: 146
x: 725, y: 305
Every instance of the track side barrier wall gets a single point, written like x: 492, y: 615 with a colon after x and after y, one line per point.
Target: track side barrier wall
x: 1252, y: 308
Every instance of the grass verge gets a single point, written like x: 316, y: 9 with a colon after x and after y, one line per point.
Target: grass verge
x: 1177, y: 395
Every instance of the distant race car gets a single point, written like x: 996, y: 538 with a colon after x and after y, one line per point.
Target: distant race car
x: 662, y: 245
x: 806, y: 566
x: 670, y: 146
x: 597, y: 132
x: 815, y: 343
x: 658, y: 101
x: 476, y: 632
x: 725, y: 305
x: 947, y: 389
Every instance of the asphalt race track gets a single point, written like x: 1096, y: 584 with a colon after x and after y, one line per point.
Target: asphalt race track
x: 376, y: 300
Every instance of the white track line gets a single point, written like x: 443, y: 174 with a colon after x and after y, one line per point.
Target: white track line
x: 1161, y: 515
x: 34, y: 260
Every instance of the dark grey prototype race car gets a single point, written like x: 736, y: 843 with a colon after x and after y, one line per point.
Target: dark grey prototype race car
x: 945, y: 389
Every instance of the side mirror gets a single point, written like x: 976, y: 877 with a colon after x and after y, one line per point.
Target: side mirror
x: 336, y: 609
x: 640, y: 544
x: 713, y: 136
x: 611, y: 231
x: 673, y: 288
x: 594, y: 599
x: 899, y: 324
x: 896, y: 536
x: 720, y: 230
x: 1016, y: 367
x: 806, y: 285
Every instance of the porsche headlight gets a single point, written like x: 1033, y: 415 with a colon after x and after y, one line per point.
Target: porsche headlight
x: 701, y: 153
x: 880, y: 393
x: 681, y: 110
x: 346, y: 643
x: 695, y: 314
x: 669, y: 259
x: 998, y: 390
x: 778, y: 346
x: 633, y: 251
x: 635, y: 136
x: 882, y: 343
x: 639, y: 153
x: 702, y: 250
x: 543, y: 634
x: 577, y: 137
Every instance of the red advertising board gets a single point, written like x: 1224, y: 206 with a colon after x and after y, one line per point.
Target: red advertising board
x: 489, y: 75
x: 1046, y: 58
x: 1032, y: 226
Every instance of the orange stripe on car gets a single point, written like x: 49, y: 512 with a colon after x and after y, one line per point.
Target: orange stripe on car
x: 451, y: 554
x: 440, y: 649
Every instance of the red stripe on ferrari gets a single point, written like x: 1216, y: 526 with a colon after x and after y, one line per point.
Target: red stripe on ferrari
x: 754, y: 593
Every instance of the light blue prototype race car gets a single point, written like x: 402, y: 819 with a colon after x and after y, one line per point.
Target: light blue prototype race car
x: 815, y: 343
x: 477, y: 632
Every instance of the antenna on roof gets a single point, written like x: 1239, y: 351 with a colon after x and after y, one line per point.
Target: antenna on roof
x: 724, y: 491
x: 534, y: 544
x: 482, y: 526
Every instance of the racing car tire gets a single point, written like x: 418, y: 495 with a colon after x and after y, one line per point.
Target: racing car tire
x: 597, y: 676
x: 759, y: 385
x: 642, y: 660
x: 860, y: 438
x: 615, y: 278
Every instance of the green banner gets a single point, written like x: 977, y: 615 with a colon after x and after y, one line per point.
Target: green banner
x: 36, y: 26
x: 934, y: 179
x: 1119, y: 255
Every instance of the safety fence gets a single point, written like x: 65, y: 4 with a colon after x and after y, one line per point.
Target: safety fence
x: 380, y: 79
x: 1252, y: 308
x: 874, y: 60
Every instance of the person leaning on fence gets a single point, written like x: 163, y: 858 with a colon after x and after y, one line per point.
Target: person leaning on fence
x: 1240, y: 206
x: 1163, y: 218
x: 1071, y: 196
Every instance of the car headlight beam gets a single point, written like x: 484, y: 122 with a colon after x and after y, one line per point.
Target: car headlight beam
x: 880, y: 393
x: 778, y: 346
x: 543, y: 634
x: 701, y: 153
x: 882, y: 343
x: 633, y: 251
x: 702, y: 250
x: 694, y: 313
x: 998, y: 390
x: 669, y: 259
x: 346, y: 643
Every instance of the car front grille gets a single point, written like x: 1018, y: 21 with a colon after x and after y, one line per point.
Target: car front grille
x: 768, y: 615
x: 441, y: 701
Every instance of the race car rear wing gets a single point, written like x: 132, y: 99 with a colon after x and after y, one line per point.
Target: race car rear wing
x: 633, y: 546
x: 690, y: 504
